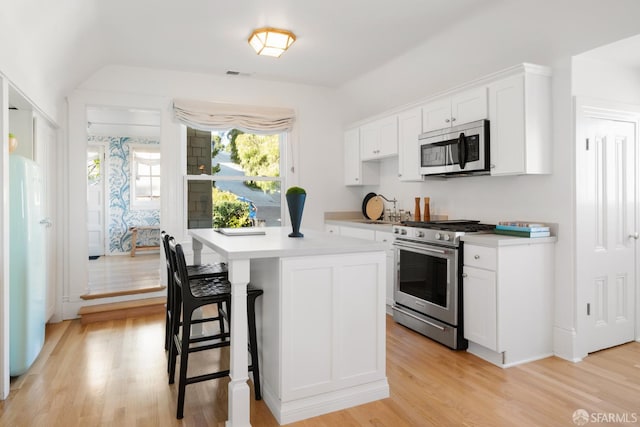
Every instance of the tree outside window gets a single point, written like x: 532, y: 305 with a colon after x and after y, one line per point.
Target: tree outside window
x: 243, y: 186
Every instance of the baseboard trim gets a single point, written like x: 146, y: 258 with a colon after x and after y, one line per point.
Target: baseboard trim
x: 301, y: 409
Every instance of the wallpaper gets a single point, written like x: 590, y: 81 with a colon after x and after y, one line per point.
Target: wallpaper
x: 120, y: 216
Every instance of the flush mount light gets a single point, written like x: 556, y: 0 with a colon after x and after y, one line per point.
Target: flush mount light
x: 271, y: 41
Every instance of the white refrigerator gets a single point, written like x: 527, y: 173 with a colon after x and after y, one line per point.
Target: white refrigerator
x: 27, y: 291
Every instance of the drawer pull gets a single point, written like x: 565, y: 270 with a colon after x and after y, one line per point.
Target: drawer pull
x: 476, y: 257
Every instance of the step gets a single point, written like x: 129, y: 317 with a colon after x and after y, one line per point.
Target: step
x: 100, y: 293
x: 122, y: 310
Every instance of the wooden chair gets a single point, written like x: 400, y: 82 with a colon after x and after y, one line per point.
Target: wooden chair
x: 190, y: 294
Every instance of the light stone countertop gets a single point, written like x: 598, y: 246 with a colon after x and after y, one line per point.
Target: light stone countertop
x: 276, y: 243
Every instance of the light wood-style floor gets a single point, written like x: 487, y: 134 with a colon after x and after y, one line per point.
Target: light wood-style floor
x: 122, y: 274
x: 114, y: 374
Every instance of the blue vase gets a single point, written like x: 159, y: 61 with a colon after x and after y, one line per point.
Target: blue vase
x: 296, y: 206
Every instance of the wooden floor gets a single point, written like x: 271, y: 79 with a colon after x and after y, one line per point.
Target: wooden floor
x: 114, y: 374
x: 122, y: 275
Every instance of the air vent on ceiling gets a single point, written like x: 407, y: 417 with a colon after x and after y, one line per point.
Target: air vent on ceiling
x: 237, y: 73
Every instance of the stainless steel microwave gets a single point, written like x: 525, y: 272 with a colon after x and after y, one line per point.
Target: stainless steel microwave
x: 456, y: 151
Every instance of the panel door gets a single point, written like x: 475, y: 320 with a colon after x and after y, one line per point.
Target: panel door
x: 469, y: 106
x: 507, y: 125
x: 388, y: 137
x: 480, y: 307
x: 409, y: 128
x: 352, y: 168
x: 607, y: 233
x: 45, y: 156
x: 369, y: 141
x: 436, y: 115
x: 95, y: 200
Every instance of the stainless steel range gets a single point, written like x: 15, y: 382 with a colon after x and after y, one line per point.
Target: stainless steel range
x: 428, y: 281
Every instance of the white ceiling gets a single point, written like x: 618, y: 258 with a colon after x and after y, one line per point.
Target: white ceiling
x: 337, y: 40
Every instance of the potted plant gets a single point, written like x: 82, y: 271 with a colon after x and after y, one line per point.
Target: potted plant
x: 295, y: 201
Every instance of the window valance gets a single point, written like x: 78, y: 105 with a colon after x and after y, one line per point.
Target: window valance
x: 248, y: 118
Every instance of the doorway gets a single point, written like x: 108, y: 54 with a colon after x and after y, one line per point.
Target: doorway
x: 123, y: 149
x: 606, y: 223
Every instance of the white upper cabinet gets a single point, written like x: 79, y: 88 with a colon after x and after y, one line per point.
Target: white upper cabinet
x: 409, y: 128
x: 460, y: 108
x: 379, y: 139
x: 355, y: 171
x: 520, y: 116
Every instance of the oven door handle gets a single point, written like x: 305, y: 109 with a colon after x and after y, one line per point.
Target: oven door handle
x: 420, y: 319
x: 420, y: 248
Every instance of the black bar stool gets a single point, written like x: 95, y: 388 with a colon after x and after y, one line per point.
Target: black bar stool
x: 194, y: 271
x: 190, y: 294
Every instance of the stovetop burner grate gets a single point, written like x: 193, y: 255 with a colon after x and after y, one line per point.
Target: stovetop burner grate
x: 451, y: 225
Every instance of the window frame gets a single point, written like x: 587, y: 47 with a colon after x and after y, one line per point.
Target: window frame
x: 135, y: 204
x: 283, y: 140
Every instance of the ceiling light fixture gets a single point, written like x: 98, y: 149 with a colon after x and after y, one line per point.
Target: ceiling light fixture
x: 271, y: 41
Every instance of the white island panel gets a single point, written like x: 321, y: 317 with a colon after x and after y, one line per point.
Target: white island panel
x: 323, y: 332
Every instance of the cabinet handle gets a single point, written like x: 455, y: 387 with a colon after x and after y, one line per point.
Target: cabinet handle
x: 453, y: 119
x: 476, y: 257
x: 356, y: 179
x: 492, y: 166
x: 464, y: 274
x: 447, y: 120
x: 631, y: 236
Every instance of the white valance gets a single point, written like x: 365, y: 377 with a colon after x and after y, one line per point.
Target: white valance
x: 247, y: 118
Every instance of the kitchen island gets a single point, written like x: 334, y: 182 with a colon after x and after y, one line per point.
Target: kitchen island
x: 321, y: 320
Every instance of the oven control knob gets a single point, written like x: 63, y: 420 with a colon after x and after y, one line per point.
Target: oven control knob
x: 437, y: 236
x: 396, y: 231
x: 419, y: 234
x: 403, y: 232
x: 446, y: 237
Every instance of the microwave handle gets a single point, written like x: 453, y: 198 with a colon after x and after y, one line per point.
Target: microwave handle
x: 462, y: 150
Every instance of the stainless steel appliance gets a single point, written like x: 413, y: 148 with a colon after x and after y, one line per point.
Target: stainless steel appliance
x: 456, y: 151
x: 428, y: 280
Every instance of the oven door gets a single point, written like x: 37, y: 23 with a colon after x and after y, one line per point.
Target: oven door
x: 427, y: 279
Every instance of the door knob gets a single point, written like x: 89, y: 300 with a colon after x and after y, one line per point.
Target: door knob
x: 635, y: 235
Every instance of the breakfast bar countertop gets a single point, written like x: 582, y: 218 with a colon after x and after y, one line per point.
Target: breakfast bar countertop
x: 276, y: 243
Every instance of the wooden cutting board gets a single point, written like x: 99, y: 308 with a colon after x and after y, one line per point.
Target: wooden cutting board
x: 375, y: 208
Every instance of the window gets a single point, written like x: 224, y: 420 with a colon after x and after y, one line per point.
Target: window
x: 233, y: 179
x: 145, y: 176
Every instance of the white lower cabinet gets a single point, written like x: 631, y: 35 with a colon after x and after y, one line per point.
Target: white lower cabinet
x: 379, y: 236
x: 508, y: 298
x: 480, y: 314
x: 387, y: 237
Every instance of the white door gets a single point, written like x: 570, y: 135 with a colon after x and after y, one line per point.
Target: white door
x: 95, y: 199
x: 606, y: 229
x: 45, y: 156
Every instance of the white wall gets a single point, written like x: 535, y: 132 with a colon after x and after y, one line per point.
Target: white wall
x: 540, y: 32
x: 40, y: 42
x: 605, y: 80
